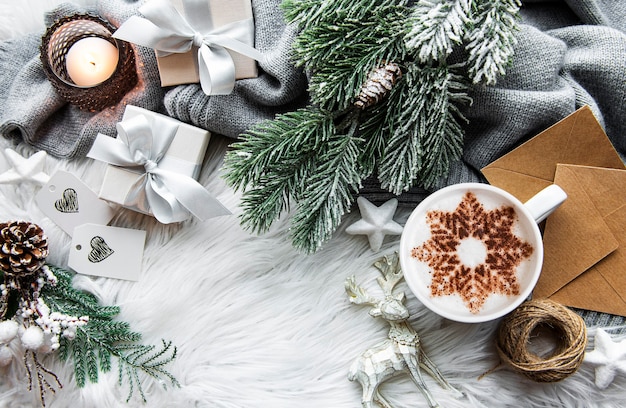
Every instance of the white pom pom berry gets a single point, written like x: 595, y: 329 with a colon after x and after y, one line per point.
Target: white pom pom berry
x: 8, y: 331
x: 32, y: 338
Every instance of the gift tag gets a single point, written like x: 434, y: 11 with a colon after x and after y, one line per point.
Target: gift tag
x: 110, y: 252
x: 69, y: 203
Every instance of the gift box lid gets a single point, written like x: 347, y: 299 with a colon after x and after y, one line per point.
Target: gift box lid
x: 177, y: 69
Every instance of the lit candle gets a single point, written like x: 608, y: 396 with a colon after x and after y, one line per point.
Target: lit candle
x: 91, y: 61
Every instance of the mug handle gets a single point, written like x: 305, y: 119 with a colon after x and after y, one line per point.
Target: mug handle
x: 545, y: 202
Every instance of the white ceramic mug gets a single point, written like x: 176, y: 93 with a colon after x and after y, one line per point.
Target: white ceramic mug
x: 472, y: 252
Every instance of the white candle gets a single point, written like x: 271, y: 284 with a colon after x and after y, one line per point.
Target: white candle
x: 91, y: 61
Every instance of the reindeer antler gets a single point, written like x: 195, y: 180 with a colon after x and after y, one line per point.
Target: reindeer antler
x: 389, y: 266
x: 358, y: 295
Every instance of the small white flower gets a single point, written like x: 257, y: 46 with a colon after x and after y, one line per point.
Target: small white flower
x: 43, y: 308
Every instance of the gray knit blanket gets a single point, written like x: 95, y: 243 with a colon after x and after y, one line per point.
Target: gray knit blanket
x: 31, y: 110
x: 569, y: 54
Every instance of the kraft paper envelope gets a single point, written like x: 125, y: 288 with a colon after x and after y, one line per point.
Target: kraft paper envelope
x: 577, y: 139
x: 584, y: 242
x: 575, y: 243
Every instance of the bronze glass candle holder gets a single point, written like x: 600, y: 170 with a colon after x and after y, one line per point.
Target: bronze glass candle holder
x: 56, y: 43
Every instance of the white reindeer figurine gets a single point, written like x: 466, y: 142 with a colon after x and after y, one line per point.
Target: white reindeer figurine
x: 401, y: 351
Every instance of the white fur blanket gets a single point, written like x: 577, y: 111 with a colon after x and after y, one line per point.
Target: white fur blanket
x: 257, y: 324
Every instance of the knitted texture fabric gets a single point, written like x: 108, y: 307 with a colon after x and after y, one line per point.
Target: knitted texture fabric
x: 568, y: 54
x: 31, y: 110
x: 279, y: 87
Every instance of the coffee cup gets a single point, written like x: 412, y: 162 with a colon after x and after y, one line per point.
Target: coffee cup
x: 472, y: 252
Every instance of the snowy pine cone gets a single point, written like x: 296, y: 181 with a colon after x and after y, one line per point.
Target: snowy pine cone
x: 23, y: 248
x: 379, y: 83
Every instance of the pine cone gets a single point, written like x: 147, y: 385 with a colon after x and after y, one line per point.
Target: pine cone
x: 379, y: 82
x: 23, y: 248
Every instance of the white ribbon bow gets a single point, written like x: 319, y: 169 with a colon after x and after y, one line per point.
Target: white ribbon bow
x: 169, y: 195
x: 165, y: 30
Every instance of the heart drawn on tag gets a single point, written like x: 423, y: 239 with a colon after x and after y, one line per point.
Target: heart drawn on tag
x: 100, y: 250
x: 68, y: 203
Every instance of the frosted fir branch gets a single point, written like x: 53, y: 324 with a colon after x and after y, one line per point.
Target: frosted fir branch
x: 309, y: 13
x: 410, y: 137
x: 445, y: 141
x: 426, y: 134
x: 340, y: 52
x: 273, y: 162
x: 375, y: 134
x: 401, y: 158
x: 436, y: 26
x: 491, y: 40
x: 276, y: 143
x: 329, y: 195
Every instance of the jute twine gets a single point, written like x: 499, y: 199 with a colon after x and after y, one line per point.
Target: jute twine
x: 570, y: 334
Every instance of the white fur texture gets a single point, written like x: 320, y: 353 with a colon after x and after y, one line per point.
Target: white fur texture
x: 257, y: 324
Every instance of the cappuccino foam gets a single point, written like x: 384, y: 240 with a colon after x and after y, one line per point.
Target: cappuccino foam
x: 472, y: 251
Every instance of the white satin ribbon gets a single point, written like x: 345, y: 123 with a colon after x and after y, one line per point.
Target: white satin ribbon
x: 170, y: 196
x: 167, y: 31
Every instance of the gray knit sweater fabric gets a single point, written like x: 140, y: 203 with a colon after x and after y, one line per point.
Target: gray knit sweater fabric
x: 569, y: 54
x: 31, y: 110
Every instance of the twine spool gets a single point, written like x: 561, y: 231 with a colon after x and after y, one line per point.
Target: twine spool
x: 569, y: 331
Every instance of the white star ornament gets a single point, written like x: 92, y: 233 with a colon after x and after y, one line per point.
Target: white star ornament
x: 24, y: 169
x: 375, y: 222
x: 608, y: 357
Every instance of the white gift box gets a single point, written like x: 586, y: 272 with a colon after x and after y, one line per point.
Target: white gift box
x: 184, y: 155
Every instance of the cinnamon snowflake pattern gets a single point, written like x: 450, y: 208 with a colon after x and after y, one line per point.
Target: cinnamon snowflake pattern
x: 489, y: 239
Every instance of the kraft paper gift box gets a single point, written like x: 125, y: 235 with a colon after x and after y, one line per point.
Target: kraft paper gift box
x: 177, y: 69
x: 184, y: 156
x: 584, y: 244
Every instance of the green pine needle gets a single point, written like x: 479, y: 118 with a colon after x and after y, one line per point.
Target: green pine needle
x: 342, y: 51
x: 310, y: 13
x: 277, y: 158
x: 424, y: 125
x: 287, y: 140
x: 102, y: 337
x: 316, y: 157
x: 375, y: 134
x: 329, y: 194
